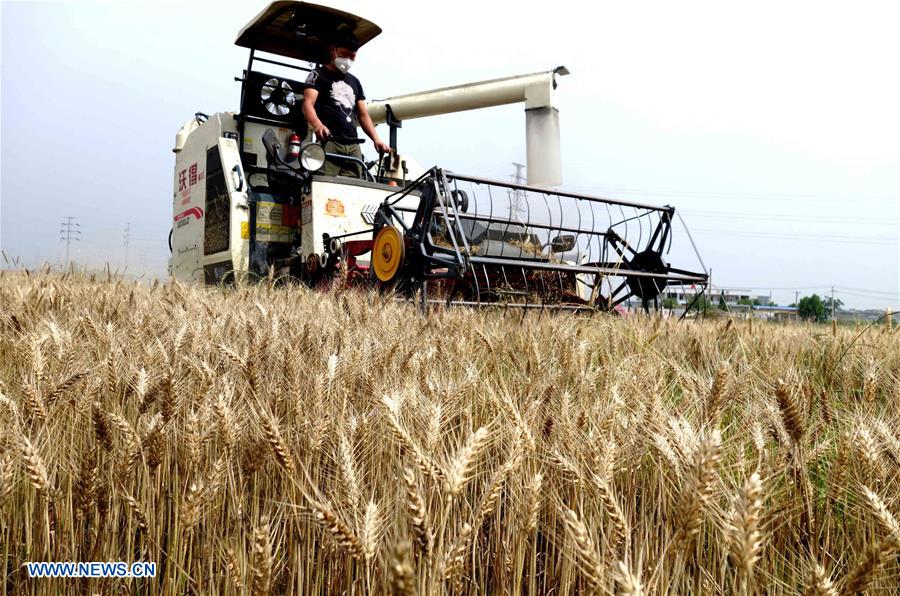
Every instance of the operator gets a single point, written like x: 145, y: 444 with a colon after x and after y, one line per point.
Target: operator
x: 333, y: 102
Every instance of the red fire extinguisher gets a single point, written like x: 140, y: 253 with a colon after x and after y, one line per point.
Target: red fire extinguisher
x: 294, y: 147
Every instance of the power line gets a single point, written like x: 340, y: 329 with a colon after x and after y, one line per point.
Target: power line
x: 817, y: 287
x: 863, y: 292
x: 871, y: 296
x: 744, y: 195
x: 802, y: 237
x: 872, y: 221
x: 845, y: 288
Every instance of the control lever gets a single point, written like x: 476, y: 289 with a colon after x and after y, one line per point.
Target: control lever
x: 380, y: 165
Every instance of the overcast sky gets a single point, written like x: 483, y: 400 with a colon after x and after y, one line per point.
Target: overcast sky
x: 773, y: 127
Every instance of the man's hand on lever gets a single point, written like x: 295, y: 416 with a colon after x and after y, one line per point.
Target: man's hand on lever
x: 381, y: 146
x: 322, y: 132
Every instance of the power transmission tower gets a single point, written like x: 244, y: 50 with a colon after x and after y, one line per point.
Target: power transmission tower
x: 127, y: 241
x: 69, y: 231
x: 518, y: 194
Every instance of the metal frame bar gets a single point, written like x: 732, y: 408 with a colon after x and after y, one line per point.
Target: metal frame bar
x: 612, y: 271
x: 571, y: 195
x: 526, y: 305
x: 285, y: 64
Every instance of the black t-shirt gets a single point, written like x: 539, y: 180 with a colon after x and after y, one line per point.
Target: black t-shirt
x: 336, y: 103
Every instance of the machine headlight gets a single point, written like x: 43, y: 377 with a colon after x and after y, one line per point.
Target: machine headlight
x: 312, y: 156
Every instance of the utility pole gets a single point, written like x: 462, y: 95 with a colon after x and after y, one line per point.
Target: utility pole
x: 832, y: 303
x: 69, y: 230
x: 797, y: 298
x: 127, y: 241
x: 518, y: 195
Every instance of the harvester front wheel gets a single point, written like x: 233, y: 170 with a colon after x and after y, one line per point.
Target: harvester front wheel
x: 388, y: 254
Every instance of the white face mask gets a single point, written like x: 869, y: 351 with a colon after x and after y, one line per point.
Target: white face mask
x: 343, y: 64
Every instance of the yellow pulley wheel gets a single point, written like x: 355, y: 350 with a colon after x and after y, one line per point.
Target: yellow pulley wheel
x: 387, y: 253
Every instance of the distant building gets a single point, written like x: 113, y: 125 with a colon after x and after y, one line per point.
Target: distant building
x: 775, y: 312
x: 733, y: 297
x: 859, y: 315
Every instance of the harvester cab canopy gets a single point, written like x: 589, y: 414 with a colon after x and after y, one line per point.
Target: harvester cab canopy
x: 303, y: 31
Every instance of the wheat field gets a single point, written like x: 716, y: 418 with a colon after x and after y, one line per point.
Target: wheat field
x: 269, y: 440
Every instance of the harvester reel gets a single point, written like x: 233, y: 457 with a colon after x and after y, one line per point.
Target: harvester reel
x: 494, y: 242
x: 388, y: 254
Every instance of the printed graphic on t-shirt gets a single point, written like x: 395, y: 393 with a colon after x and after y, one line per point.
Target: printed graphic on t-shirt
x: 342, y: 93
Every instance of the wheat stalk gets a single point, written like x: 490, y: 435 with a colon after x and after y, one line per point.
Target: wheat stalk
x: 819, y: 583
x: 884, y: 515
x: 234, y: 569
x: 533, y: 507
x: 863, y: 573
x: 7, y: 473
x: 402, y: 572
x: 717, y: 393
x: 456, y: 556
x: 372, y: 529
x: 85, y: 488
x: 459, y: 470
x: 102, y: 427
x: 277, y: 444
x: 790, y: 411
x: 139, y: 516
x: 697, y: 489
x: 348, y: 467
x: 744, y: 528
x: 612, y: 510
x: 35, y: 469
x: 262, y: 559
x: 587, y: 558
x: 627, y: 583
x: 340, y: 531
x: 418, y: 514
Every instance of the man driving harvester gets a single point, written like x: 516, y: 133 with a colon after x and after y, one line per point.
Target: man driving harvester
x: 333, y: 102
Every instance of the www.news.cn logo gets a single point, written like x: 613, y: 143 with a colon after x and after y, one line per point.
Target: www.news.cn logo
x: 91, y: 569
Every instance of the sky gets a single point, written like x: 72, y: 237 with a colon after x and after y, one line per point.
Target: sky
x: 772, y: 127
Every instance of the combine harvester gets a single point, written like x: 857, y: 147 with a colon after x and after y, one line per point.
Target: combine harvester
x: 248, y: 201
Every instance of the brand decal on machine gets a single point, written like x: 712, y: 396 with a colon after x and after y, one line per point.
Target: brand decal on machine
x: 185, y: 215
x: 187, y: 178
x: 334, y: 207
